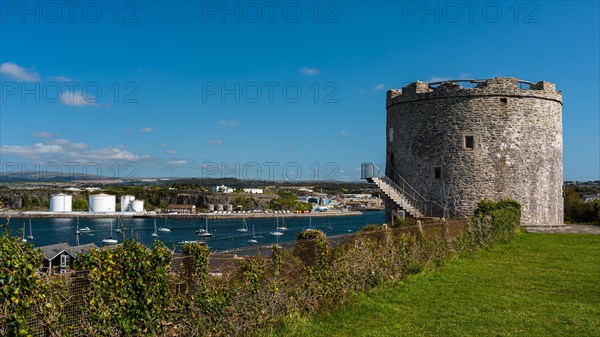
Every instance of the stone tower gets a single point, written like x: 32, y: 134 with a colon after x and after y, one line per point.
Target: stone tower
x: 458, y: 142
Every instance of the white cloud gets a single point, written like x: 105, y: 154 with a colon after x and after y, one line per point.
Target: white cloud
x: 19, y: 73
x: 146, y: 129
x: 44, y: 134
x: 177, y: 162
x: 111, y: 152
x: 216, y: 142
x: 77, y: 99
x: 439, y: 79
x: 462, y: 76
x: 62, y: 78
x: 308, y: 71
x: 32, y: 150
x: 68, y: 144
x: 380, y: 86
x: 64, y: 150
x: 59, y: 142
x: 171, y: 152
x: 79, y: 146
x: 230, y: 123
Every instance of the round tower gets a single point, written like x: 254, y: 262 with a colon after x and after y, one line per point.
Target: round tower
x: 457, y: 142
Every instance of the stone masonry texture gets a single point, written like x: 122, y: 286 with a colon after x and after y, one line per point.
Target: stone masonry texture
x: 516, y: 153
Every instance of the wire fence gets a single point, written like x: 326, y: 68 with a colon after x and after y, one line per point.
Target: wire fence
x: 71, y: 314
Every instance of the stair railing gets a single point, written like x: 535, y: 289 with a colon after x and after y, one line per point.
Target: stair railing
x: 427, y: 208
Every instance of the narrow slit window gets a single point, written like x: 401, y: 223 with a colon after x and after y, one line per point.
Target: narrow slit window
x: 469, y: 142
x: 437, y: 172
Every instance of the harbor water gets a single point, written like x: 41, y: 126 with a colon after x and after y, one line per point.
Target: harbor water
x: 47, y: 231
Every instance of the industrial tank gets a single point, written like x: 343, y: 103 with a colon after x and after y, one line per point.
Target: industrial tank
x: 136, y: 206
x: 126, y: 201
x: 99, y: 203
x: 61, y: 203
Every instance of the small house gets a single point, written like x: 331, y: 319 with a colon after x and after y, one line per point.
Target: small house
x: 181, y: 209
x: 59, y: 257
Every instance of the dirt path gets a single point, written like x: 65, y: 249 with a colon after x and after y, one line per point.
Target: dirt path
x: 566, y: 229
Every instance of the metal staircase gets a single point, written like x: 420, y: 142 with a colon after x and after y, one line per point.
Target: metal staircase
x: 401, y: 193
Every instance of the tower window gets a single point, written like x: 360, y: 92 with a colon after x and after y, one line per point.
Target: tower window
x: 437, y: 172
x: 469, y: 142
x: 504, y: 100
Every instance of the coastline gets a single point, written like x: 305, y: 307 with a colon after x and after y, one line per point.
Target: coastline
x: 84, y: 214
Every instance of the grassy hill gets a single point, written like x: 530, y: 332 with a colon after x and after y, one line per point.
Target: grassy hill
x: 536, y: 285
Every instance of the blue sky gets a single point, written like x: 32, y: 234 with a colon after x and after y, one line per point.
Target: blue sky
x: 269, y: 90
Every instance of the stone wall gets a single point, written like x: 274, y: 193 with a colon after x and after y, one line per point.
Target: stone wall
x: 516, y: 153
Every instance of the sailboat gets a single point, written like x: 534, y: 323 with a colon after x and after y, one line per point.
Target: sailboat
x: 277, y: 231
x: 118, y: 230
x: 84, y: 229
x: 283, y: 227
x: 109, y: 240
x: 244, y: 227
x: 200, y: 242
x: 309, y: 223
x: 155, y: 233
x: 203, y: 232
x: 329, y: 225
x: 77, y: 233
x: 254, y: 237
x: 30, y: 236
x: 23, y: 239
x: 164, y: 228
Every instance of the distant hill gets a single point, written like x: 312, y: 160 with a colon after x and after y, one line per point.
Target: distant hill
x: 38, y: 176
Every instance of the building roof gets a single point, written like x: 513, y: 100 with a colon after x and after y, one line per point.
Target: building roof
x: 77, y: 250
x: 52, y: 251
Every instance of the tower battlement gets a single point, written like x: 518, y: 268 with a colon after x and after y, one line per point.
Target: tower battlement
x: 499, y: 86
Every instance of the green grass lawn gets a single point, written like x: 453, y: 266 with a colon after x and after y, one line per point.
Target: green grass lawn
x: 535, y: 285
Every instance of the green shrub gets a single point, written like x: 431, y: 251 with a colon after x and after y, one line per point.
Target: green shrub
x: 371, y: 228
x: 21, y: 288
x: 577, y: 211
x: 312, y: 247
x: 399, y: 222
x: 129, y: 288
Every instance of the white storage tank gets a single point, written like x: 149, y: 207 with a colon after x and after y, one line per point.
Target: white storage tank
x: 100, y: 203
x: 126, y: 201
x: 137, y: 206
x: 61, y: 203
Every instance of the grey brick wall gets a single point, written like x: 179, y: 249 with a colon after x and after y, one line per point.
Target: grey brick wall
x: 517, y: 148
